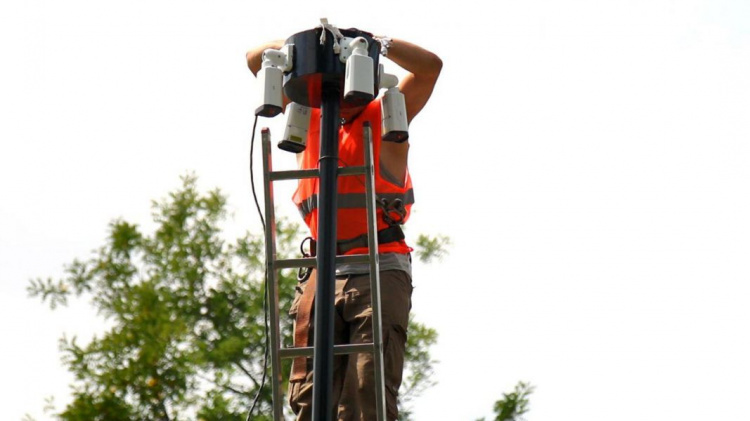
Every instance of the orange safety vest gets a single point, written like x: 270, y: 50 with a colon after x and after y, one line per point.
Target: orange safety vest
x: 352, y: 213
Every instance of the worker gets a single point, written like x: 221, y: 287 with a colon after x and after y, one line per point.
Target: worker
x: 353, y: 384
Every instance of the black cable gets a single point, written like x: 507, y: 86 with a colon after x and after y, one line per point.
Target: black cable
x: 265, y: 280
x: 252, y: 177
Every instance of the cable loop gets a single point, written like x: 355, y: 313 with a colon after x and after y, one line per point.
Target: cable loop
x: 337, y: 35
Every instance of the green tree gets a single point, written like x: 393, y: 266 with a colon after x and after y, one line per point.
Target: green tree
x: 186, y: 314
x: 432, y: 248
x: 418, y: 368
x: 514, y: 404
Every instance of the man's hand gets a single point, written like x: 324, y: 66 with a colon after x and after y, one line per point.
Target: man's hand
x: 255, y: 60
x: 255, y: 56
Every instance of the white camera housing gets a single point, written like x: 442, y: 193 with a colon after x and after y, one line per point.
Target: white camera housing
x: 275, y: 62
x: 395, y: 124
x: 297, y: 124
x: 359, y: 80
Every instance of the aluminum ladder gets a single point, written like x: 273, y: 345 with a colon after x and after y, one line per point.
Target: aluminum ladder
x: 273, y: 265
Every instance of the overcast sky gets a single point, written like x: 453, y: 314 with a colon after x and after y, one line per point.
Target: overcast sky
x: 589, y: 159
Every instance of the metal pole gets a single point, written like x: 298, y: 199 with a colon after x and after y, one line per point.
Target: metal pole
x: 324, y: 294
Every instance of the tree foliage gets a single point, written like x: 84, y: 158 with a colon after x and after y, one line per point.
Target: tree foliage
x: 186, y: 314
x: 434, y: 248
x: 418, y: 367
x: 514, y: 404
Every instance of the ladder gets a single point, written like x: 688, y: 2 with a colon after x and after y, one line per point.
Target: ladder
x: 273, y: 265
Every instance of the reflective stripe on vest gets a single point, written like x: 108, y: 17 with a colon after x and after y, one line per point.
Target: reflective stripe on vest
x: 355, y: 200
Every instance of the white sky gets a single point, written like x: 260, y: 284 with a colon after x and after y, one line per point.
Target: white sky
x: 589, y: 159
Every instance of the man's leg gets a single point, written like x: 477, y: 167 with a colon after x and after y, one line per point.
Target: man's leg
x: 301, y: 392
x: 348, y: 407
x: 396, y: 292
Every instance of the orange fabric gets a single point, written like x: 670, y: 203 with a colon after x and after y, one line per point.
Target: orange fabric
x: 351, y: 223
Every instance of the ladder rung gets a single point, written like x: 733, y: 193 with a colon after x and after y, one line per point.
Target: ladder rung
x: 337, y: 350
x: 294, y: 174
x: 311, y: 262
x: 299, y: 174
x: 358, y: 170
x: 307, y: 262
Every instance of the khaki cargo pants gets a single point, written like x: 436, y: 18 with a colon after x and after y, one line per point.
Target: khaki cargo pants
x: 353, y: 379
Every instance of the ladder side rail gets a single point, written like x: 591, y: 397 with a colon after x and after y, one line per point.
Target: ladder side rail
x: 372, y: 243
x: 272, y: 279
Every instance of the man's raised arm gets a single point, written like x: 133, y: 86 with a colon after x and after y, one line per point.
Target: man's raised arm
x: 423, y: 67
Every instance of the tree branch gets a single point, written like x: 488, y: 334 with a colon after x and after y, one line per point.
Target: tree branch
x: 244, y: 370
x: 238, y: 392
x: 228, y: 387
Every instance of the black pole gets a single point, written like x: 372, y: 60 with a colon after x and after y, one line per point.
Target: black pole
x: 324, y: 294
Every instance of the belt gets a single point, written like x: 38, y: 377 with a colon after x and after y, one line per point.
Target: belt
x: 386, y: 235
